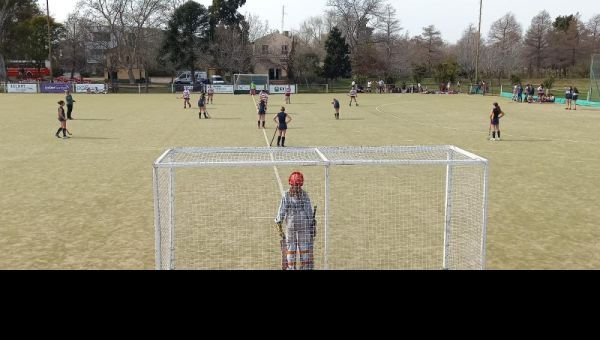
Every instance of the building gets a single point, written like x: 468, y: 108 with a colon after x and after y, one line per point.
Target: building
x: 271, y: 55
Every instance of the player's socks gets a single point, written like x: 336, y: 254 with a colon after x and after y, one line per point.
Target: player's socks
x: 64, y: 131
x: 278, y: 140
x: 263, y: 124
x: 283, y: 142
x: 494, y: 135
x: 498, y: 134
x: 259, y: 124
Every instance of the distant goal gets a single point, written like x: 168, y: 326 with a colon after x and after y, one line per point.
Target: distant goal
x: 389, y: 208
x: 242, y: 82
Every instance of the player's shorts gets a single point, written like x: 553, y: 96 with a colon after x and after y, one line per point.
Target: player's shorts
x: 262, y: 113
x: 288, y: 94
x: 496, y: 121
x: 568, y: 96
x: 575, y: 96
x: 283, y: 127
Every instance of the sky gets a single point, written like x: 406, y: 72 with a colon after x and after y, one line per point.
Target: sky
x: 451, y: 17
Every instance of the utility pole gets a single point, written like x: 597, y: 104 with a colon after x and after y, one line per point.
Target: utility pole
x: 478, y: 43
x: 282, y: 19
x: 49, y: 42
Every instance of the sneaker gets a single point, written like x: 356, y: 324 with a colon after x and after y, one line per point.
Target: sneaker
x: 57, y: 136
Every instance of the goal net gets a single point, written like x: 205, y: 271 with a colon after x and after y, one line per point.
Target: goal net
x: 383, y: 208
x: 594, y: 95
x: 242, y: 82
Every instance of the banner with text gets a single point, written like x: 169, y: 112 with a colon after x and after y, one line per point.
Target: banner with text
x: 22, y: 88
x: 280, y: 89
x: 224, y: 89
x: 54, y: 88
x: 94, y: 88
x: 247, y: 87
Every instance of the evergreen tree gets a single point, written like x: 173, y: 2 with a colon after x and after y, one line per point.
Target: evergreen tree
x: 337, y: 62
x: 187, y: 36
x: 13, y: 13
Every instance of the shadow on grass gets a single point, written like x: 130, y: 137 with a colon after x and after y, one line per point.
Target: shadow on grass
x: 93, y: 119
x: 526, y: 140
x: 93, y: 138
x: 352, y: 119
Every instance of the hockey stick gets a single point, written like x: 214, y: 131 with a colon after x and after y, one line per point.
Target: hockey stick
x: 273, y: 139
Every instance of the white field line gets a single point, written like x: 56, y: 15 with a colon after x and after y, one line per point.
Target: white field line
x: 279, y: 182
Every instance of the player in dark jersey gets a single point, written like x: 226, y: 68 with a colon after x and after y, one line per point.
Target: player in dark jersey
x: 336, y: 106
x: 202, y: 107
x: 495, y: 117
x: 282, y: 120
x: 262, y: 112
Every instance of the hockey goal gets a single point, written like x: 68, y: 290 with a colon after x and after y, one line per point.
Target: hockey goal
x: 378, y: 207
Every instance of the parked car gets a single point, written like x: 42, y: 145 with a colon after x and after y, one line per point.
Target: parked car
x: 217, y: 80
x: 185, y: 78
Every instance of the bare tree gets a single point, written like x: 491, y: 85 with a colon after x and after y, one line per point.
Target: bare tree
x: 357, y: 19
x: 466, y: 51
x: 429, y: 46
x: 505, y: 38
x: 231, y: 50
x: 74, y: 44
x: 256, y: 27
x: 390, y: 35
x: 593, y: 28
x: 536, y: 41
x: 127, y: 21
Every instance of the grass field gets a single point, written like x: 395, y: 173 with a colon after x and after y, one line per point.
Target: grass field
x: 87, y: 203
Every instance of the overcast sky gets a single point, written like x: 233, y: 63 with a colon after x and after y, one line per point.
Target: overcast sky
x: 451, y: 17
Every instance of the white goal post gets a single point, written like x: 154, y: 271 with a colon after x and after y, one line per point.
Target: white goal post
x: 385, y: 208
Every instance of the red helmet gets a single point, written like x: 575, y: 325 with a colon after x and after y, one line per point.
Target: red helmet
x: 297, y: 179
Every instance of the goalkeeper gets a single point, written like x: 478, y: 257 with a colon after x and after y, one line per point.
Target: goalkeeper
x: 295, y: 210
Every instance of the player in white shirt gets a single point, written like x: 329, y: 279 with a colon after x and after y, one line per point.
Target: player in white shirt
x: 186, y: 99
x: 353, y: 94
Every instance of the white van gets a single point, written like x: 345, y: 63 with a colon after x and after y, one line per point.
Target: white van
x: 217, y: 80
x: 186, y: 77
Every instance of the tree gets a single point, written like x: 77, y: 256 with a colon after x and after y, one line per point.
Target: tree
x: 73, y: 45
x: 357, y: 19
x: 337, y: 62
x: 12, y: 14
x: 446, y: 72
x: 35, y: 44
x: 536, y: 40
x: 231, y: 50
x: 566, y: 40
x: 429, y: 46
x: 390, y: 30
x: 593, y: 27
x: 466, y: 51
x: 505, y: 38
x: 187, y: 36
x: 230, y: 46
